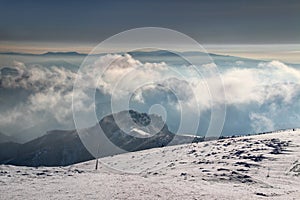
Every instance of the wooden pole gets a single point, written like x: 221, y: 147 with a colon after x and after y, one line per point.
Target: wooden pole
x: 96, y: 167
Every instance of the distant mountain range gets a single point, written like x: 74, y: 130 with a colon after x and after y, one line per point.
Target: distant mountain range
x: 72, y: 53
x: 158, y: 53
x: 60, y: 148
x: 146, y: 56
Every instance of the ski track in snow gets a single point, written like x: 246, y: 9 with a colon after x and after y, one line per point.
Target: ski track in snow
x: 253, y: 167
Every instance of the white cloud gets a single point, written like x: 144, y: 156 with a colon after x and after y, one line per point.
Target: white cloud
x: 209, y: 65
x: 281, y: 71
x: 51, y: 89
x: 261, y: 123
x: 239, y: 62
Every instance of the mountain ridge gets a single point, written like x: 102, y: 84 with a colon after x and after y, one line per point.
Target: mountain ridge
x: 65, y: 147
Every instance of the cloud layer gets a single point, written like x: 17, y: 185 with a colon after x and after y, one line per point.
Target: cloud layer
x: 261, y: 98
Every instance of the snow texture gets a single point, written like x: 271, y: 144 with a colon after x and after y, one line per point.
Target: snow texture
x: 263, y: 166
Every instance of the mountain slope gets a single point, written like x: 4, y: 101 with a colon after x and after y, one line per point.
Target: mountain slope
x: 61, y: 148
x: 5, y: 138
x: 56, y: 148
x: 143, y: 131
x: 255, y: 167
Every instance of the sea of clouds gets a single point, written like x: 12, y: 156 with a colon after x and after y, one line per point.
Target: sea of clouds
x: 259, y: 98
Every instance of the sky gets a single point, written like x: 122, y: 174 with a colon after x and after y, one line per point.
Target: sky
x: 39, y: 26
x: 264, y: 91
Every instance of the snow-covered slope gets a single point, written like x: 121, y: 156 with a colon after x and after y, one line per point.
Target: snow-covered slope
x: 254, y: 167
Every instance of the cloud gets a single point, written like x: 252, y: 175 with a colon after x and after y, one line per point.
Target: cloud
x: 270, y: 80
x: 240, y: 62
x: 261, y: 93
x: 281, y: 70
x: 48, y: 97
x: 261, y: 123
x: 50, y: 89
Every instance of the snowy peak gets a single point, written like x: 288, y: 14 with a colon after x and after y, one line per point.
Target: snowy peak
x: 128, y: 130
x: 134, y: 123
x: 134, y: 131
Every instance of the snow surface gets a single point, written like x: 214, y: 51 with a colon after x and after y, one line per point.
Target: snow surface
x: 253, y: 167
x: 139, y: 133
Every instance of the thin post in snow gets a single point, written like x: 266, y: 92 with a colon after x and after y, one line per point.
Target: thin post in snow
x: 97, y: 161
x: 96, y: 164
